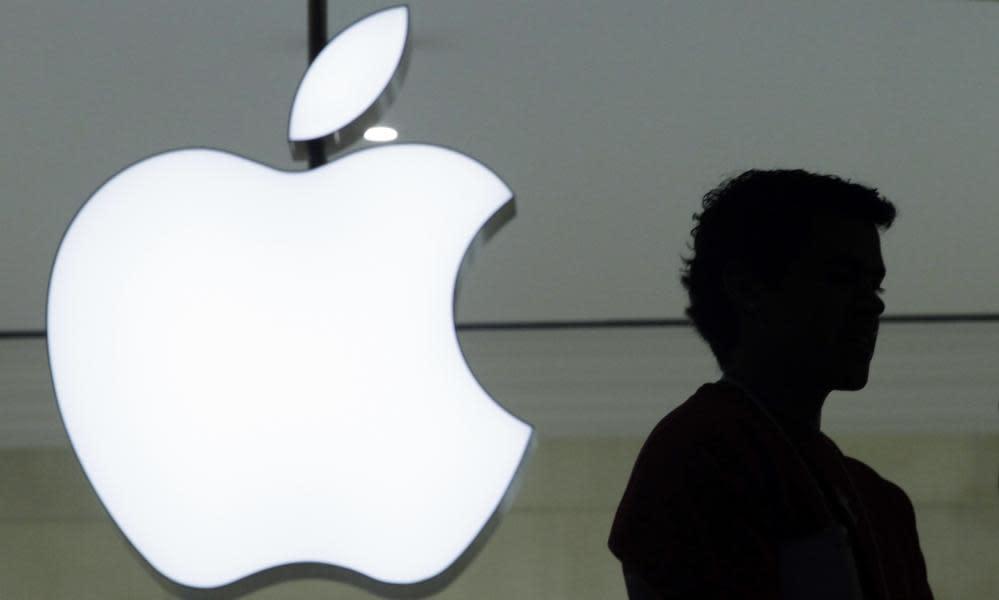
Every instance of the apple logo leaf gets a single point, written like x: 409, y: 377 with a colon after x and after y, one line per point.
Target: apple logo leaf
x: 351, y: 82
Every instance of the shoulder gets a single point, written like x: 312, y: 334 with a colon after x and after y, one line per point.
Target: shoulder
x: 884, y: 499
x: 712, y: 435
x: 688, y: 433
x: 711, y: 413
x: 865, y: 477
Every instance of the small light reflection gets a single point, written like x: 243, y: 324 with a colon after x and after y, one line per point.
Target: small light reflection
x: 380, y: 134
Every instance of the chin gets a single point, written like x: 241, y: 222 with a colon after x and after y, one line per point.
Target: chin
x: 851, y: 382
x: 851, y: 387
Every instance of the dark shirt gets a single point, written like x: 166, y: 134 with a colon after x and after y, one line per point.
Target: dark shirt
x: 723, y: 504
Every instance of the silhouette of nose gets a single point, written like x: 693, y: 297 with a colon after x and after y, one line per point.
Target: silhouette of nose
x: 874, y: 305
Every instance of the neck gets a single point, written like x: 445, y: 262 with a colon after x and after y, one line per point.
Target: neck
x: 795, y: 406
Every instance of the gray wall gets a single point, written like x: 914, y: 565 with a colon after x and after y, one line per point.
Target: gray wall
x: 56, y: 541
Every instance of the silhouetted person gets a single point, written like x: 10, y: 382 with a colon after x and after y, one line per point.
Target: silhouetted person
x: 737, y: 493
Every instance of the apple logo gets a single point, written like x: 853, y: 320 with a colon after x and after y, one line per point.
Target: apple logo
x: 259, y: 370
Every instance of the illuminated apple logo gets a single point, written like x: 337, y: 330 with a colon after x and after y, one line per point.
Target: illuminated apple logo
x: 259, y: 368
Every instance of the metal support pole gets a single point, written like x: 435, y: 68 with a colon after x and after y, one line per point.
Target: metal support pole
x: 317, y: 39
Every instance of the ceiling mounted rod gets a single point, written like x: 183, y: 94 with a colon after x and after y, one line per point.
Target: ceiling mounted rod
x: 618, y: 323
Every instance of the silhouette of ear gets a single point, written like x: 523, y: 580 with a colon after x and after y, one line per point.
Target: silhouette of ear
x: 351, y: 82
x: 743, y: 288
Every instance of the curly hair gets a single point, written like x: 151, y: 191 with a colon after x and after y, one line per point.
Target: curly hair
x: 763, y: 218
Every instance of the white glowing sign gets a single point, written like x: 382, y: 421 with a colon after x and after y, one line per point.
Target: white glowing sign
x: 260, y: 368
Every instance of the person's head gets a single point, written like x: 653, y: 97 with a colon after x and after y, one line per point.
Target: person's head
x: 786, y: 267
